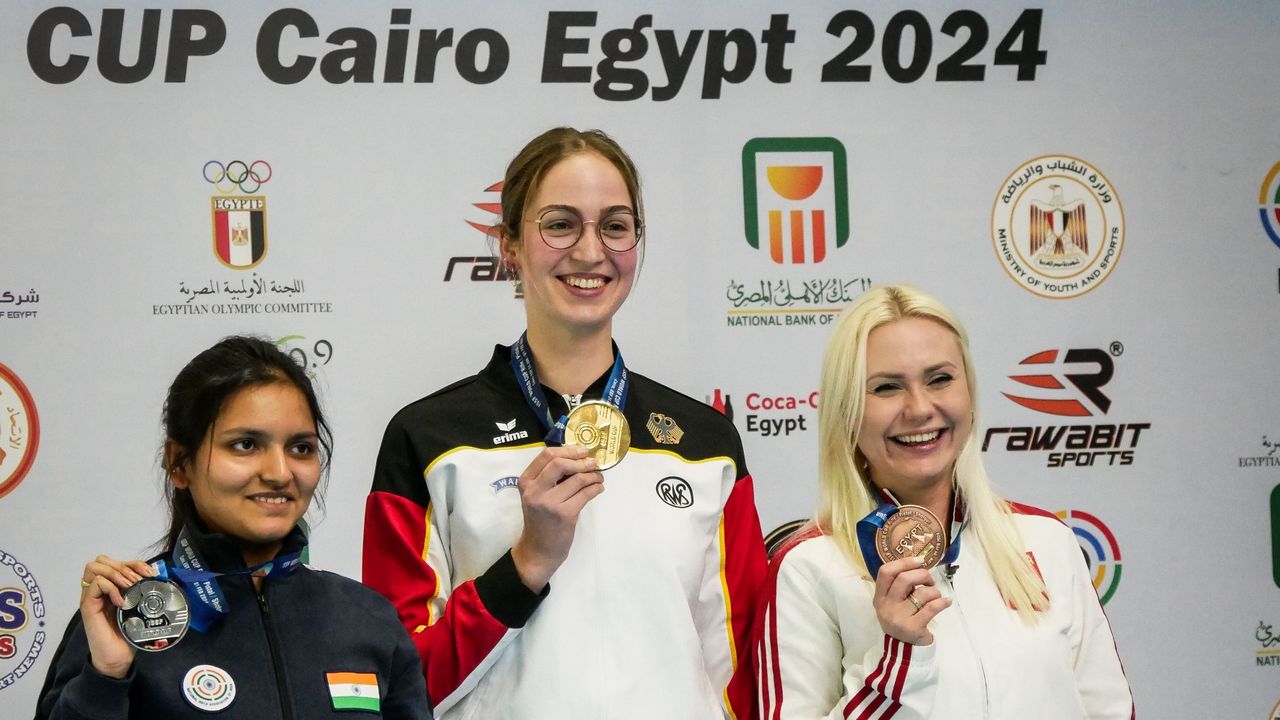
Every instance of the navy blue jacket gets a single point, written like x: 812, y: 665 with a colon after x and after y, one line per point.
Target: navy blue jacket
x: 277, y: 646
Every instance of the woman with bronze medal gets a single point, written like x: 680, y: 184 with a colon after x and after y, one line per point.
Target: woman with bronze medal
x: 563, y: 537
x: 917, y: 592
x: 228, y: 619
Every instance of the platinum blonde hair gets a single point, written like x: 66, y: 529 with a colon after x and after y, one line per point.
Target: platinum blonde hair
x: 842, y: 469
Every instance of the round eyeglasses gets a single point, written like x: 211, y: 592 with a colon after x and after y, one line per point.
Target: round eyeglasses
x: 561, y: 228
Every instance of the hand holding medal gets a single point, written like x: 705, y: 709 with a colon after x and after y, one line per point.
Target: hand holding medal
x: 102, y: 592
x: 908, y: 541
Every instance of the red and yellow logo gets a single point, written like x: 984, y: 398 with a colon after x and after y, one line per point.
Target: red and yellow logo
x: 19, y: 430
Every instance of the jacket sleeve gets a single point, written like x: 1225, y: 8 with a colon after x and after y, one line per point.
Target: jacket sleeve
x: 458, y: 625
x: 1100, y: 680
x: 817, y: 660
x: 74, y: 690
x: 736, y: 568
x: 406, y: 692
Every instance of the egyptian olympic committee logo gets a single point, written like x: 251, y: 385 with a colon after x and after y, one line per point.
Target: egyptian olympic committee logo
x: 19, y: 430
x: 21, y: 620
x: 1101, y: 551
x: 1057, y: 226
x: 795, y: 197
x: 1269, y: 204
x: 239, y: 220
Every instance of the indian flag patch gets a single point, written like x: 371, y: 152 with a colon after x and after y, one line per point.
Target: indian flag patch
x: 354, y: 691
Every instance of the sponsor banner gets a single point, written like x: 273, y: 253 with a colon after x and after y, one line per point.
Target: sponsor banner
x: 310, y: 355
x: 1268, y: 653
x: 12, y: 300
x: 22, y: 634
x: 1057, y: 226
x: 771, y: 414
x: 484, y: 268
x: 795, y: 199
x: 1067, y: 385
x: 1266, y: 457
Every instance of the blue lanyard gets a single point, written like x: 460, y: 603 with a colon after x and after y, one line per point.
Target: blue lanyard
x: 615, y: 388
x: 867, y: 527
x: 205, y: 598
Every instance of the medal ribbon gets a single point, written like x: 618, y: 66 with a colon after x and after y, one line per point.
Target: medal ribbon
x: 200, y: 585
x: 615, y: 388
x: 867, y: 527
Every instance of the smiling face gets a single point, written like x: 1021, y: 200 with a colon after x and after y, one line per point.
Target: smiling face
x: 918, y: 412
x: 256, y: 471
x: 577, y: 290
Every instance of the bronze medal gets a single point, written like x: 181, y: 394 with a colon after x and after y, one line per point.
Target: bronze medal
x: 912, y: 531
x: 602, y: 429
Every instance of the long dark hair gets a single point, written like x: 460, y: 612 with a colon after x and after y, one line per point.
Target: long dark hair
x: 197, y: 395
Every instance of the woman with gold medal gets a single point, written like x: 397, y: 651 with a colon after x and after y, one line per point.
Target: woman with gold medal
x: 561, y: 536
x: 917, y: 591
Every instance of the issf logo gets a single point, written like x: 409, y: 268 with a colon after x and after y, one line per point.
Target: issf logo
x: 795, y: 197
x: 1101, y: 551
x: 1269, y: 204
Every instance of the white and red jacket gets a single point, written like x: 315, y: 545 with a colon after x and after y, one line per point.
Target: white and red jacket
x: 821, y: 652
x: 648, y: 614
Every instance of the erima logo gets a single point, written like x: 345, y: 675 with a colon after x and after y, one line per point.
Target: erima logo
x: 507, y: 434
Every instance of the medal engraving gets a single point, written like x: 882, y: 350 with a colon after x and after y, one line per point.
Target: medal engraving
x: 155, y: 615
x: 600, y: 428
x: 912, y: 531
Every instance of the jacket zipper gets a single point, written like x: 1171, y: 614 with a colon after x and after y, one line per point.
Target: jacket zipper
x: 964, y: 625
x: 282, y: 686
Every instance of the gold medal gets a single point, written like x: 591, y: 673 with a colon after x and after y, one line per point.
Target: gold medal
x: 913, y: 531
x: 600, y: 428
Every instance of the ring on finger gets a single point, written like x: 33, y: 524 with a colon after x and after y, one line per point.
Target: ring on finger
x: 915, y: 601
x: 85, y: 583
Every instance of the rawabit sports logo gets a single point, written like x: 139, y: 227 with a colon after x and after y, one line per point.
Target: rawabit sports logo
x: 21, y: 620
x: 796, y: 204
x: 487, y: 267
x: 239, y: 221
x: 1269, y: 204
x: 1039, y: 386
x: 772, y: 414
x: 797, y: 189
x: 19, y: 430
x: 1101, y: 551
x: 1057, y: 226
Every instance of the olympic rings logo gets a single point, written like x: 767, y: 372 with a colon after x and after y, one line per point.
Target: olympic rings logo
x: 237, y: 174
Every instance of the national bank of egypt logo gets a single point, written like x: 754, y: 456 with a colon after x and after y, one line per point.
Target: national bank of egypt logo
x: 795, y: 197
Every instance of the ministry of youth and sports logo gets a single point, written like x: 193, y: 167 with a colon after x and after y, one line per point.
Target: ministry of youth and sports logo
x: 1057, y: 226
x: 239, y: 215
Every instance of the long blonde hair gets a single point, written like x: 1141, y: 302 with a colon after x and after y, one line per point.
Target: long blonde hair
x: 842, y: 468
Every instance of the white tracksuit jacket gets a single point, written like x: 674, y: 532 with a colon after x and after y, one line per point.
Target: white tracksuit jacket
x: 821, y: 652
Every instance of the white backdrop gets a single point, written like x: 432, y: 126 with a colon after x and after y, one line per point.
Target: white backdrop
x: 1157, y: 118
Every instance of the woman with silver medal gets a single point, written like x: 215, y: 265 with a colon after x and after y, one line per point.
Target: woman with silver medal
x: 547, y: 570
x: 918, y: 592
x: 227, y: 619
